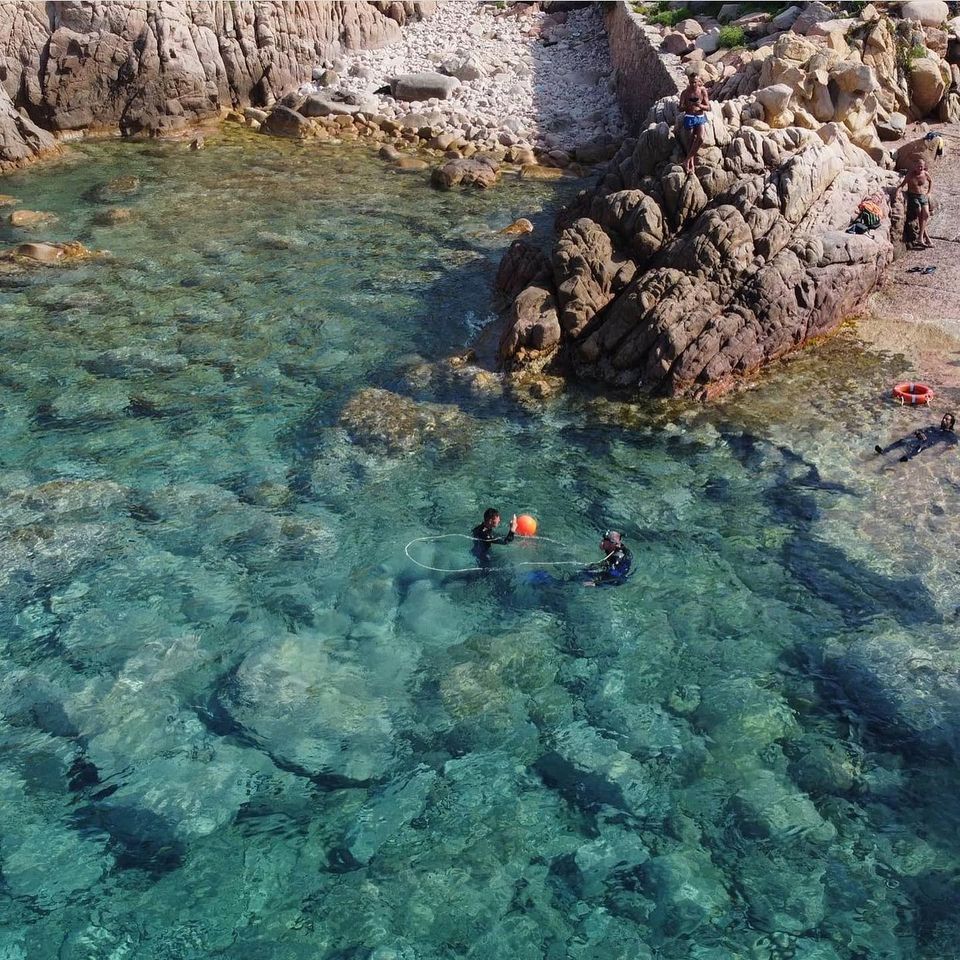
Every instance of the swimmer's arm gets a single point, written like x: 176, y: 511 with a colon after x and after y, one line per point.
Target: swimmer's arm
x: 508, y: 538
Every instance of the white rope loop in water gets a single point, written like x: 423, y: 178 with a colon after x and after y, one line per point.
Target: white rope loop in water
x: 484, y: 569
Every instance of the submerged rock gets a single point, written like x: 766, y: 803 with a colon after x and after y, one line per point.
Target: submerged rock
x: 769, y: 808
x: 782, y: 895
x: 132, y: 361
x: 387, y: 421
x: 903, y: 688
x: 314, y: 710
x: 26, y: 254
x: 594, y: 772
x: 113, y: 216
x: 390, y: 811
x: 28, y: 219
x: 473, y: 172
x: 410, y: 164
x: 688, y: 891
x: 116, y: 189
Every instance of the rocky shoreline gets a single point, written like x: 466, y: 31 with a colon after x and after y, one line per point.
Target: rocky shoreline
x: 656, y: 281
x: 128, y: 69
x: 673, y: 284
x: 473, y: 86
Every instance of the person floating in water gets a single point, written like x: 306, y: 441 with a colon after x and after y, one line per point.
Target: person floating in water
x: 921, y: 440
x: 484, y: 534
x: 614, y: 568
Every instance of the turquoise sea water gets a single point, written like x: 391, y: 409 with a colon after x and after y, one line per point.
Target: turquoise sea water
x: 237, y: 721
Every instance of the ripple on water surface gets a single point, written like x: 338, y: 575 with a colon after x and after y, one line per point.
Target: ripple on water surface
x: 238, y: 721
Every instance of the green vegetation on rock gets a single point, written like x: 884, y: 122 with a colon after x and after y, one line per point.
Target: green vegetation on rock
x: 732, y: 37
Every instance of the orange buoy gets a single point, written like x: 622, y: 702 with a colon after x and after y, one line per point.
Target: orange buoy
x: 526, y: 525
x: 913, y: 393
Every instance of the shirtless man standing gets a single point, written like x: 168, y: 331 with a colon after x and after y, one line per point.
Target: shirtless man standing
x: 918, y: 184
x: 694, y: 102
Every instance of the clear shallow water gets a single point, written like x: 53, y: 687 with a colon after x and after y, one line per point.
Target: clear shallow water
x: 237, y: 721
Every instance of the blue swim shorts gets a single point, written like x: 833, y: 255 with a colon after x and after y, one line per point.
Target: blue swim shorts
x: 691, y: 120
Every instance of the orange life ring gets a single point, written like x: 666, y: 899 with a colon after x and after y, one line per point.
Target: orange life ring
x: 913, y: 393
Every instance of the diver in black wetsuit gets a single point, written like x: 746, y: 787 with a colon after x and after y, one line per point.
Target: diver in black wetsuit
x: 484, y: 534
x: 921, y: 440
x: 615, y: 566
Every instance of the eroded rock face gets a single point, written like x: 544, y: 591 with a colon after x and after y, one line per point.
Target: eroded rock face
x: 847, y: 70
x: 684, y: 285
x: 532, y: 333
x: 145, y: 68
x: 522, y: 265
x: 588, y: 272
x: 21, y: 140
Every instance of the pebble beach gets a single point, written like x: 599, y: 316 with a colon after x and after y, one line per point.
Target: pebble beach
x: 523, y: 76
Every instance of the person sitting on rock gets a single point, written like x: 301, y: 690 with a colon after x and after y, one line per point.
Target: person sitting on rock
x: 918, y: 185
x: 694, y: 102
x: 921, y: 440
x: 613, y: 569
x: 484, y: 534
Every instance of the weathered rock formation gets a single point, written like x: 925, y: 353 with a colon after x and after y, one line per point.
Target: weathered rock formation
x: 823, y: 57
x: 827, y: 71
x: 682, y: 285
x: 140, y: 66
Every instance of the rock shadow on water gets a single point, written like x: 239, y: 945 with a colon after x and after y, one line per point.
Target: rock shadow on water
x: 857, y: 593
x: 214, y: 713
x: 139, y: 839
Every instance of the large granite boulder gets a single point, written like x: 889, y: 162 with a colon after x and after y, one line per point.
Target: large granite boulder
x: 424, y: 86
x: 931, y: 13
x: 147, y: 68
x: 929, y: 81
x: 522, y: 265
x: 533, y: 329
x: 284, y: 122
x: 676, y: 284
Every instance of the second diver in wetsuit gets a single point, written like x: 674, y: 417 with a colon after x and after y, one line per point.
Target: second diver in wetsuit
x: 485, y: 535
x: 921, y: 440
x: 615, y: 566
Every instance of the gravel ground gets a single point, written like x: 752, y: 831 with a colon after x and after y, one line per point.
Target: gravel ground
x: 526, y: 77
